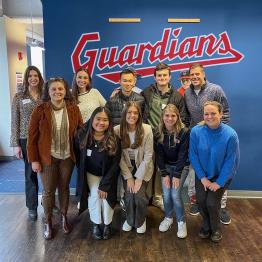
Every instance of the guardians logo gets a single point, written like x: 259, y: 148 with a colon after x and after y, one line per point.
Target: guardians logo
x: 179, y: 54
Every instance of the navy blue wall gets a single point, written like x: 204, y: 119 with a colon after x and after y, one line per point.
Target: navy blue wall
x: 66, y: 21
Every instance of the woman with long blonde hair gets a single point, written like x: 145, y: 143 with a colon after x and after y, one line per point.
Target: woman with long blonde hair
x: 171, y: 156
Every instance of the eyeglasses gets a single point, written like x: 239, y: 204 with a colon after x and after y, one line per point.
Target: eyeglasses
x: 56, y: 79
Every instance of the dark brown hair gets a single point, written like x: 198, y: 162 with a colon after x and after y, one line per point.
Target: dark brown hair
x: 45, y: 95
x: 25, y: 80
x: 125, y: 140
x: 109, y: 142
x: 162, y: 66
x: 75, y: 90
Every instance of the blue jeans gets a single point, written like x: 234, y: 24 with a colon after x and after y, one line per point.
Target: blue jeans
x: 173, y: 198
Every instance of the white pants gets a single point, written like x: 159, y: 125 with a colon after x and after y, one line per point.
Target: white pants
x: 99, y: 209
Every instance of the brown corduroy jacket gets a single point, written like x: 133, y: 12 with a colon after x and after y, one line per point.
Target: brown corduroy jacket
x: 40, y: 132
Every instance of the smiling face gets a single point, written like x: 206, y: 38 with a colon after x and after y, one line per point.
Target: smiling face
x: 170, y: 119
x: 162, y: 78
x: 127, y: 83
x: 197, y: 76
x: 33, y: 79
x: 132, y: 116
x: 82, y: 81
x: 57, y: 92
x: 212, y: 116
x: 100, y: 122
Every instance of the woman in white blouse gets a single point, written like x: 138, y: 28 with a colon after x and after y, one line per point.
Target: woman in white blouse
x: 86, y: 97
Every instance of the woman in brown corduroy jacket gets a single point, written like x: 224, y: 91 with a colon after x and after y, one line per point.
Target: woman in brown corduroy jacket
x: 50, y: 147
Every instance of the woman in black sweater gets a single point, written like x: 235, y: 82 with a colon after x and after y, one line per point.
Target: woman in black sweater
x: 172, y: 142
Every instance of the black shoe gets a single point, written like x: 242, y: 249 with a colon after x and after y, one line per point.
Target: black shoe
x: 204, y: 233
x: 225, y: 216
x: 216, y: 236
x: 107, y: 232
x: 96, y: 232
x: 32, y: 214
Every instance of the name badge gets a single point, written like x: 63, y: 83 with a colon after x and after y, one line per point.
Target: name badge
x: 88, y: 152
x: 163, y: 106
x: 26, y: 101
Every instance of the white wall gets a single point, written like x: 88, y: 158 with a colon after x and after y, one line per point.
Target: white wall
x: 12, y: 41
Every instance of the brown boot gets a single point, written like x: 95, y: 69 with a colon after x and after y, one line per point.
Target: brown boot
x: 48, y: 230
x: 65, y: 226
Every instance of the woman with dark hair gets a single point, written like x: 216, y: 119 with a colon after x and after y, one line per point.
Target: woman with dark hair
x: 86, y: 97
x: 23, y: 105
x: 171, y: 156
x: 214, y: 155
x: 136, y: 165
x: 50, y: 147
x: 98, y: 170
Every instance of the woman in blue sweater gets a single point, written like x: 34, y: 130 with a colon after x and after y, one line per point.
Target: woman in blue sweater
x: 171, y: 156
x: 214, y: 155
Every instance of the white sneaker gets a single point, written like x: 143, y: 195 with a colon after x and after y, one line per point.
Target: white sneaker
x: 165, y: 224
x: 142, y: 229
x: 181, y: 229
x: 126, y: 227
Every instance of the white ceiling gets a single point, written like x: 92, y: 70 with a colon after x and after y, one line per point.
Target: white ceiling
x: 28, y: 12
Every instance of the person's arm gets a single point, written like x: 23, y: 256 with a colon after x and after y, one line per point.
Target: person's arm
x: 101, y: 99
x: 182, y: 154
x: 222, y: 99
x: 160, y: 159
x: 231, y: 161
x: 193, y: 155
x: 15, y: 120
x: 148, y: 154
x: 33, y: 136
x: 113, y: 171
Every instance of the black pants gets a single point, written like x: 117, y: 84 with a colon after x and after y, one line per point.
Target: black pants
x: 136, y: 203
x: 31, y: 181
x: 209, y: 205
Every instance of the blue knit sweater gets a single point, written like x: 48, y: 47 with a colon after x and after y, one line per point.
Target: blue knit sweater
x: 214, y: 153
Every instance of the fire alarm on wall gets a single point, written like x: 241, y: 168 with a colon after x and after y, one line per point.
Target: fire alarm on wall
x: 20, y: 55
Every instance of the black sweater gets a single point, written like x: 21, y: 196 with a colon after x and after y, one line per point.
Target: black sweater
x: 173, y: 151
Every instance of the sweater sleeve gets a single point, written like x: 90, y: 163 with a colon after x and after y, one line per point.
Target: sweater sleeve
x: 222, y: 99
x: 14, y: 140
x: 101, y: 99
x: 110, y: 174
x: 193, y: 155
x: 231, y: 161
x: 33, y: 136
x: 160, y: 159
x: 182, y: 154
x: 147, y: 158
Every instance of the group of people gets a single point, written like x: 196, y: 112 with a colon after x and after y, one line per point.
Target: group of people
x: 138, y: 145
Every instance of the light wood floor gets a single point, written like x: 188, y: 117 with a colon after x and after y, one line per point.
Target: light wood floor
x: 21, y: 239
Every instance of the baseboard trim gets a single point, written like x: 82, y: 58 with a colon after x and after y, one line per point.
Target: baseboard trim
x: 244, y: 194
x: 7, y: 158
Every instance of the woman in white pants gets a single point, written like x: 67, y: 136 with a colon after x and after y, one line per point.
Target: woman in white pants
x: 98, y: 170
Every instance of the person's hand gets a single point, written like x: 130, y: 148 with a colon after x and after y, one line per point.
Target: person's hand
x: 18, y: 152
x: 36, y: 167
x: 138, y: 184
x: 131, y: 185
x: 206, y: 183
x: 166, y: 180
x: 214, y: 187
x: 102, y: 194
x: 176, y: 182
x: 115, y: 91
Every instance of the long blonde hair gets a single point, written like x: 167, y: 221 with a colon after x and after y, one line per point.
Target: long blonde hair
x: 177, y: 127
